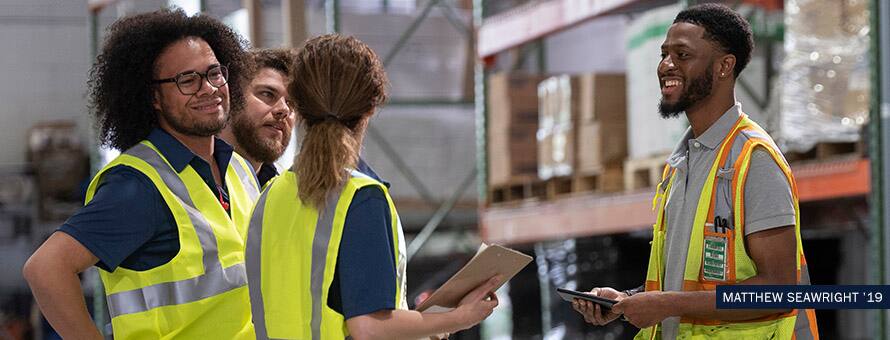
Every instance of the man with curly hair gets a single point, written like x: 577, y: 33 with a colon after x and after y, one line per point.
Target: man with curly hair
x: 727, y: 205
x: 262, y: 130
x: 165, y: 221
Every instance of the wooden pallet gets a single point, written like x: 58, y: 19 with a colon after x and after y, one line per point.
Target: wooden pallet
x: 825, y: 151
x: 643, y: 172
x: 606, y: 180
x: 518, y: 189
x: 609, y: 180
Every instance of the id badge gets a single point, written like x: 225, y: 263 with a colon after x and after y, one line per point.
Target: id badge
x: 714, y: 265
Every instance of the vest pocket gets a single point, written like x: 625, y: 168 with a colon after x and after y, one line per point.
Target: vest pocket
x: 736, y: 331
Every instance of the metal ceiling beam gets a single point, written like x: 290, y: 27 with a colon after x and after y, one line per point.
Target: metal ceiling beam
x: 455, y: 20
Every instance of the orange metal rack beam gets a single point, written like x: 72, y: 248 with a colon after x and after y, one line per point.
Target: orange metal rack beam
x: 598, y: 214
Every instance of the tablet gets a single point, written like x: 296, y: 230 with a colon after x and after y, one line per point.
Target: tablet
x: 569, y: 295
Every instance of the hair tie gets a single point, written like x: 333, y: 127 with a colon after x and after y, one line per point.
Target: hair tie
x: 331, y: 117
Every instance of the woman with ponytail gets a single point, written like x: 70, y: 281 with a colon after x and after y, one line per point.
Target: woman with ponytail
x: 325, y: 251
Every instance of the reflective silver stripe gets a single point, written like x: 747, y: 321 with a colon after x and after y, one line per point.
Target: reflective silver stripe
x: 356, y: 173
x: 247, y: 179
x: 323, y: 229
x: 804, y: 275
x: 178, y: 292
x: 767, y: 138
x: 756, y: 134
x: 215, y: 280
x: 802, y: 322
x: 254, y: 260
x: 737, y: 145
x: 802, y: 326
x: 178, y: 188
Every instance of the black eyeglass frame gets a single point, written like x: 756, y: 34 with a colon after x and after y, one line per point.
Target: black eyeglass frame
x: 203, y: 77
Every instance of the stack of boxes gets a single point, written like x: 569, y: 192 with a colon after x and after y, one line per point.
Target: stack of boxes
x: 602, y: 123
x: 571, y: 128
x: 583, y: 127
x: 512, y: 125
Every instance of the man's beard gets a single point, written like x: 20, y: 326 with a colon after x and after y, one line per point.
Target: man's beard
x: 192, y: 127
x: 254, y: 145
x: 699, y: 88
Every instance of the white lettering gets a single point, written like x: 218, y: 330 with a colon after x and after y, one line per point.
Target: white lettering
x: 822, y: 297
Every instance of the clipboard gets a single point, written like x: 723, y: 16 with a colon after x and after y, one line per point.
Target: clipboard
x: 488, y: 261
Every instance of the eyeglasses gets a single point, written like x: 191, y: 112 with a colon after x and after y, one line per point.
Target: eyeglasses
x: 190, y: 83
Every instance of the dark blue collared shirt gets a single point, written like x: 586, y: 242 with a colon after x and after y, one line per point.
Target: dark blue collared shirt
x: 267, y: 172
x: 127, y: 223
x: 365, y: 277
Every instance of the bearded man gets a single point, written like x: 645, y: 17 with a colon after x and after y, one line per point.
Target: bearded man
x: 728, y: 207
x: 262, y: 130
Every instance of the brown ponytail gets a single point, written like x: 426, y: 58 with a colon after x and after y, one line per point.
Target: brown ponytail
x: 338, y: 83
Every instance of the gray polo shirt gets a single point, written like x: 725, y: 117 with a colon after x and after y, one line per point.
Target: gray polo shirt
x: 768, y: 199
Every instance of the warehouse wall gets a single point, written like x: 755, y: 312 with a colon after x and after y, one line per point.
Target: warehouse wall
x: 47, y: 57
x: 586, y: 49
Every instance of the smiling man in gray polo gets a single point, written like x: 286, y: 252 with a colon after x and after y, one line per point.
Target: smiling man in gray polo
x: 727, y: 206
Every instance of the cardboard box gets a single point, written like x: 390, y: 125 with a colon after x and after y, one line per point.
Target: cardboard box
x: 512, y: 125
x: 602, y: 128
x: 583, y: 124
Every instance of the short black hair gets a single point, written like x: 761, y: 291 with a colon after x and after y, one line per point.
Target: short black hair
x: 725, y: 27
x: 121, y: 89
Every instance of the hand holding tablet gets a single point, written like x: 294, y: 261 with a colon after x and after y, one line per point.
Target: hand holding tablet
x: 569, y: 295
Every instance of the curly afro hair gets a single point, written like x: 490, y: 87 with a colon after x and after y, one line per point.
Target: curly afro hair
x: 121, y: 89
x: 725, y: 27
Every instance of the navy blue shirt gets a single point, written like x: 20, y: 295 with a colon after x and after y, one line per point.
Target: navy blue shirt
x: 267, y: 172
x: 365, y: 277
x: 127, y: 223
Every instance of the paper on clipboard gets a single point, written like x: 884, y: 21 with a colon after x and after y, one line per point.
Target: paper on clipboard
x: 488, y: 261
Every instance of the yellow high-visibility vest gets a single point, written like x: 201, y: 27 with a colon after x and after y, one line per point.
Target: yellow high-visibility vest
x: 202, y: 292
x: 292, y: 251
x: 699, y: 273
